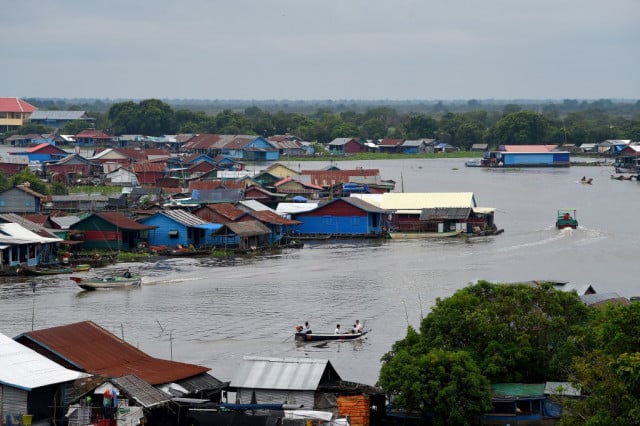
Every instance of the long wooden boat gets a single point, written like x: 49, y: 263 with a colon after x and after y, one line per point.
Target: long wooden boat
x: 47, y: 271
x: 106, y: 283
x: 419, y: 235
x: 316, y: 337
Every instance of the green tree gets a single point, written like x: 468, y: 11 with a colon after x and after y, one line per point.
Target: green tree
x: 59, y: 188
x: 4, y: 182
x: 374, y: 128
x: 515, y: 332
x: 150, y: 117
x: 447, y: 384
x: 26, y: 176
x: 521, y: 128
x: 420, y: 126
x: 155, y: 118
x: 75, y: 127
x: 608, y: 369
x: 123, y: 118
x: 28, y: 129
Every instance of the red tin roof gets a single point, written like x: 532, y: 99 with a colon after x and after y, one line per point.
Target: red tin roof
x: 95, y: 350
x: 123, y: 222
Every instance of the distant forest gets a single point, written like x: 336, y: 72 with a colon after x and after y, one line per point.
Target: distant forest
x: 460, y: 123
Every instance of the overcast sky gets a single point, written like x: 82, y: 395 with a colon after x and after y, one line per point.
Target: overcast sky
x: 321, y: 49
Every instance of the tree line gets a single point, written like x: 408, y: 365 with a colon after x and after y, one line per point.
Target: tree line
x: 514, y: 124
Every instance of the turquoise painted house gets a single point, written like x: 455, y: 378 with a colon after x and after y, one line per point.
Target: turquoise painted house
x: 180, y: 228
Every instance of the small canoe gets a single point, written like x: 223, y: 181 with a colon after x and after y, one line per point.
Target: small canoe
x: 107, y: 283
x: 316, y: 337
x: 81, y: 268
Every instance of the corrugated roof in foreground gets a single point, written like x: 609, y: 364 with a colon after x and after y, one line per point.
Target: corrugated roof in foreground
x: 24, y: 368
x: 93, y: 349
x: 145, y: 394
x: 281, y: 373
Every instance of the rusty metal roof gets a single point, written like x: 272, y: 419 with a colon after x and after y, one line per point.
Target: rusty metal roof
x: 123, y: 222
x: 267, y: 216
x: 93, y: 349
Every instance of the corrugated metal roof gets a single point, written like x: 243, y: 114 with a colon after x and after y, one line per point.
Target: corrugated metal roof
x: 266, y: 216
x: 92, y: 348
x: 248, y: 228
x: 17, y: 234
x: 280, y: 373
x: 123, y: 222
x: 255, y: 205
x: 144, y: 394
x: 363, y: 205
x: 202, y: 382
x: 601, y: 298
x: 27, y: 224
x: 512, y: 390
x: 445, y: 213
x: 57, y: 115
x: 293, y: 208
x: 183, y: 217
x: 561, y: 388
x: 416, y: 201
x: 26, y: 369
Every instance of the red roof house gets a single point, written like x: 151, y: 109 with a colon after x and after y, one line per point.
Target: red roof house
x: 14, y: 112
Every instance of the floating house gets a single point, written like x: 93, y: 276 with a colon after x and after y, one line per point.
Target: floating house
x: 43, y: 152
x: 526, y: 403
x: 87, y: 347
x: 111, y: 231
x: 526, y: 156
x: 343, y: 217
x: 433, y: 212
x: 21, y: 248
x: 32, y: 387
x: 312, y: 384
x: 20, y: 199
x: 179, y: 227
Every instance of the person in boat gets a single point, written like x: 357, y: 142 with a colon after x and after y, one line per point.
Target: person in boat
x: 127, y: 274
x: 338, y: 331
x: 306, y: 328
x: 358, y: 327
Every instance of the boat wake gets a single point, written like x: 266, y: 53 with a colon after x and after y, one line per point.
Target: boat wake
x: 580, y: 236
x: 171, y: 281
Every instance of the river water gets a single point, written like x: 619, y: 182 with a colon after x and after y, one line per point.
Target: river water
x: 213, y: 313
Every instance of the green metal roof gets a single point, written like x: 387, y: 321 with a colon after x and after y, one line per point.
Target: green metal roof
x: 520, y: 390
